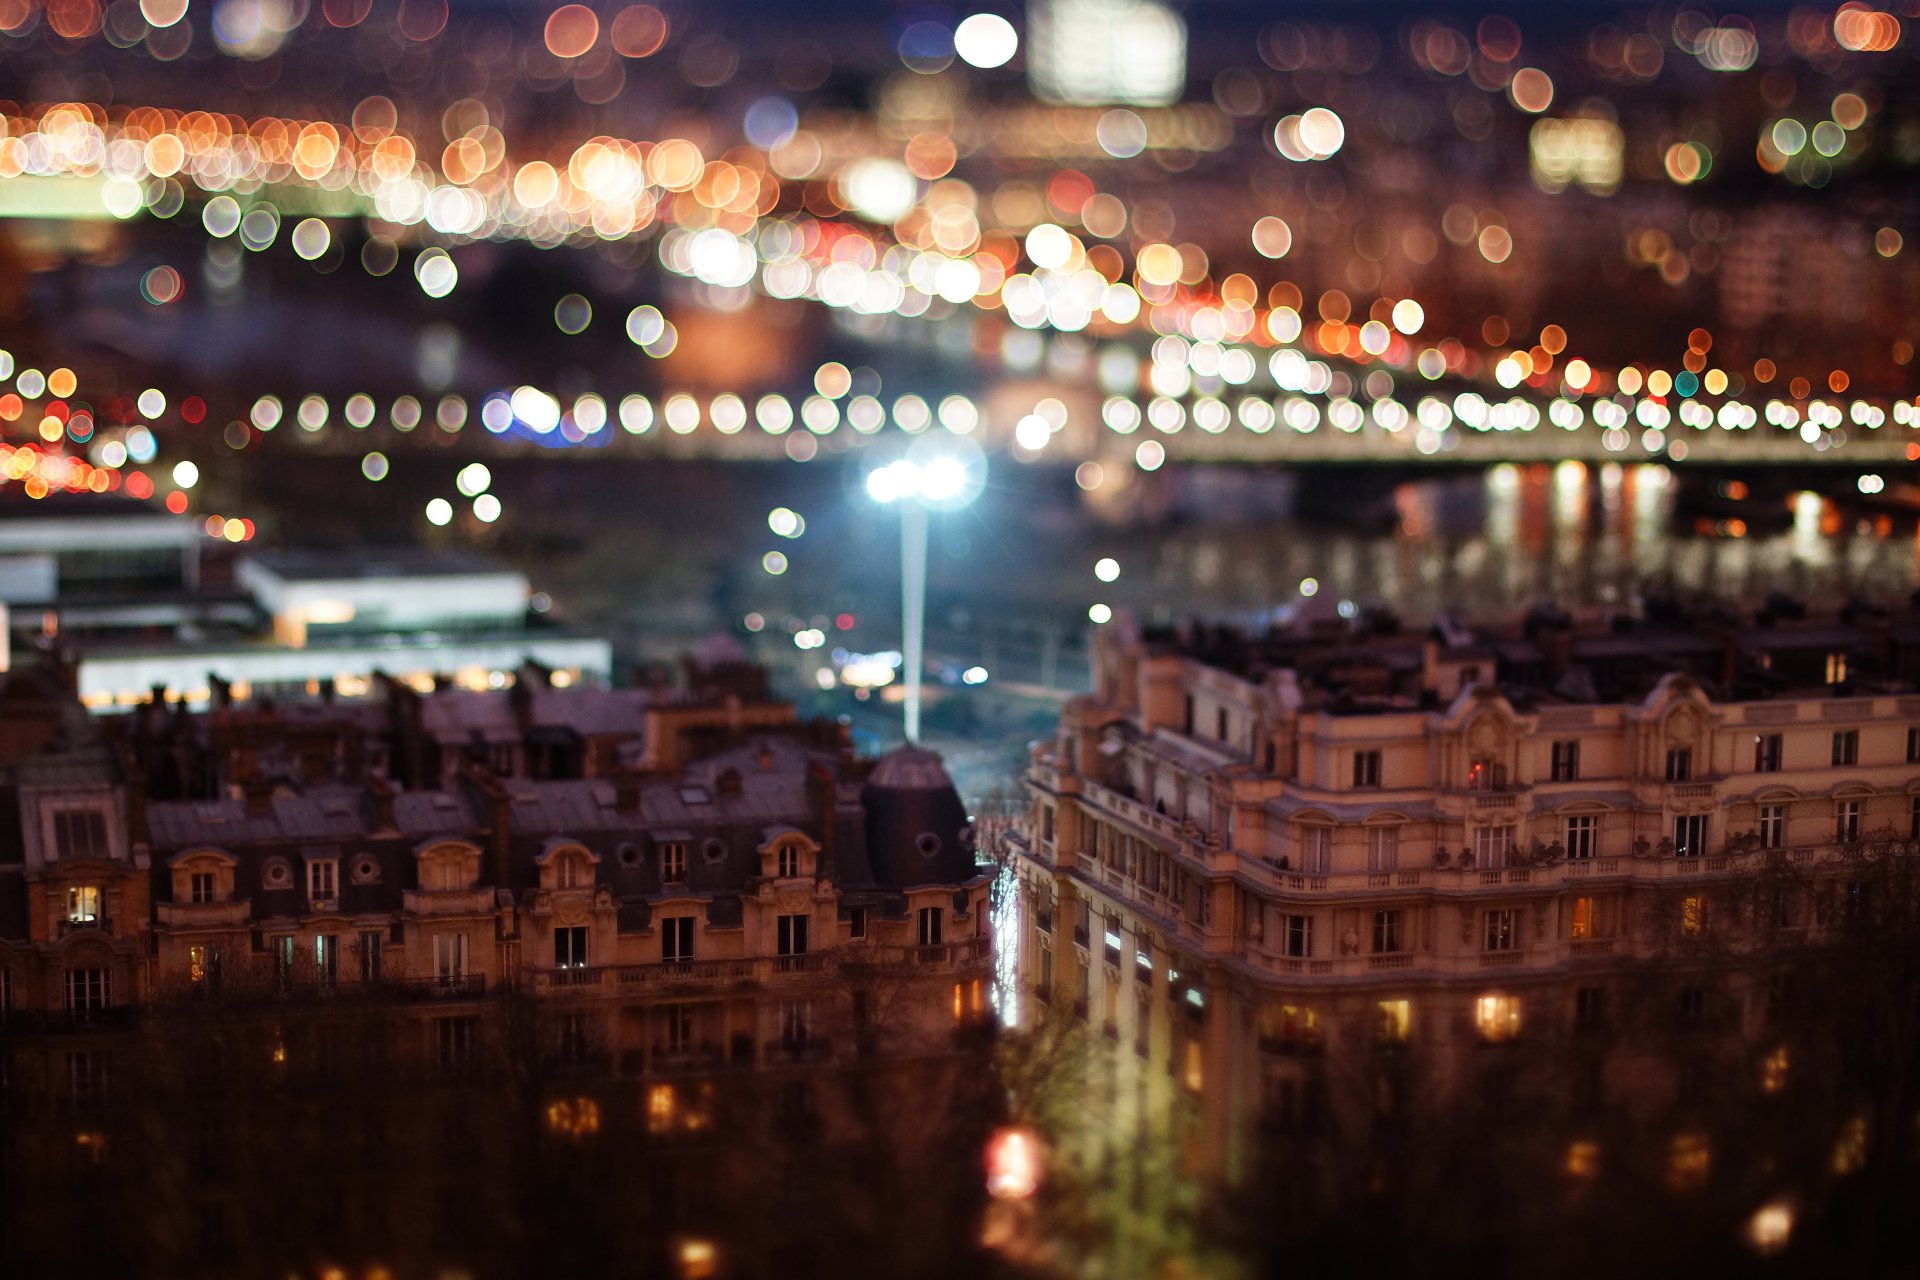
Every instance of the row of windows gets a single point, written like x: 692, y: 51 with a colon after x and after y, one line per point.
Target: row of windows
x: 1486, y: 774
x: 1494, y: 845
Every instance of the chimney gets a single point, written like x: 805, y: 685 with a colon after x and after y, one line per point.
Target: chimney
x: 259, y: 797
x: 626, y: 790
x: 822, y: 796
x: 380, y: 792
x: 497, y: 804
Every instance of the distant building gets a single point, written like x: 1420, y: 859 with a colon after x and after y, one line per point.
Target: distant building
x: 125, y: 590
x: 1099, y: 52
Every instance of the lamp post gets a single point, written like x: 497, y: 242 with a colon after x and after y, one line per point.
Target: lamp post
x: 933, y: 475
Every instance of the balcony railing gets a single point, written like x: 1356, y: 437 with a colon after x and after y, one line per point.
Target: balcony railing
x: 1584, y: 948
x: 1395, y: 960
x: 203, y: 915
x: 102, y: 923
x: 815, y: 963
x: 451, y: 986
x: 448, y: 902
x: 1503, y: 959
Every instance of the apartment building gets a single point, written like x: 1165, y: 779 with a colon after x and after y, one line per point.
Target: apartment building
x: 1302, y: 884
x: 306, y: 1002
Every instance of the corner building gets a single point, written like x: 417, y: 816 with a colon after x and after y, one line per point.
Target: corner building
x: 1314, y: 892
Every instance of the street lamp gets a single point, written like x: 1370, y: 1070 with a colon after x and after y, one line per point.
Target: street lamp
x: 938, y: 475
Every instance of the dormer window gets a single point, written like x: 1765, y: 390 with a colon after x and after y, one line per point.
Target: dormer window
x: 673, y: 862
x: 80, y: 833
x: 323, y: 880
x: 788, y: 862
x: 200, y: 887
x: 569, y: 877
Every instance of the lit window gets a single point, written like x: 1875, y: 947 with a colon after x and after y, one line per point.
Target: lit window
x: 1693, y: 916
x: 660, y: 1108
x: 1583, y: 920
x: 1396, y: 1020
x: 1836, y: 668
x: 83, y: 903
x: 1773, y: 1070
x: 1688, y: 1162
x: 1583, y: 1159
x: 1497, y: 1017
x: 1195, y: 1073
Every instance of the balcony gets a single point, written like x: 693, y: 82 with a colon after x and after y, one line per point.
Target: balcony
x: 1494, y: 801
x: 1579, y: 867
x: 1393, y: 960
x: 679, y: 973
x: 1686, y: 792
x: 449, y: 902
x: 452, y: 986
x: 101, y: 923
x: 799, y: 965
x: 1589, y: 948
x: 204, y: 915
x: 1503, y: 960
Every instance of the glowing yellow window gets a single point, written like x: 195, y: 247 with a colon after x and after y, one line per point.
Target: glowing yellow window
x: 1688, y: 1162
x: 1583, y: 1159
x: 1693, y: 916
x: 1773, y: 1071
x: 1497, y: 1017
x: 1195, y: 1072
x: 1851, y: 1151
x: 660, y: 1108
x: 1396, y: 1020
x: 197, y: 964
x: 1583, y: 918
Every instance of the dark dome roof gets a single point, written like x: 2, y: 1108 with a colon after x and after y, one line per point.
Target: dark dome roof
x: 910, y: 769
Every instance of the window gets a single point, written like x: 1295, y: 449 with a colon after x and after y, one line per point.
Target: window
x: 856, y: 922
x: 570, y: 947
x: 449, y: 958
x: 6, y: 997
x: 1316, y: 850
x: 200, y: 886
x: 1366, y: 768
x: 1503, y: 929
x: 1566, y: 760
x: 676, y: 939
x: 89, y: 989
x: 1679, y: 764
x: 80, y: 833
x: 370, y: 947
x: 1383, y: 848
x: 678, y: 1026
x: 1693, y: 1006
x: 1220, y: 724
x: 323, y: 876
x: 1497, y: 1017
x: 1582, y: 833
x: 1913, y: 818
x: 83, y: 904
x: 1693, y: 916
x: 1491, y: 846
x: 1589, y: 1008
x: 1689, y: 835
x: 1773, y: 826
x: 1485, y: 775
x: 788, y: 862
x: 568, y: 873
x: 1846, y: 746
x: 1836, y: 668
x: 1913, y: 745
x: 673, y: 863
x: 453, y: 1042
x: 1386, y: 932
x: 796, y: 1017
x: 1766, y: 753
x: 932, y: 926
x: 283, y: 953
x: 1396, y: 1020
x: 1583, y: 918
x: 1297, y: 939
x: 791, y: 939
x: 326, y: 959
x: 86, y: 1076
x: 1846, y: 821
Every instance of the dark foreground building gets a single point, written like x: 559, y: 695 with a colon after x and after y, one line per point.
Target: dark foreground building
x: 540, y: 982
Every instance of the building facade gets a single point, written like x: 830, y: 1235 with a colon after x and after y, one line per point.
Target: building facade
x: 1319, y: 888
x: 311, y: 1003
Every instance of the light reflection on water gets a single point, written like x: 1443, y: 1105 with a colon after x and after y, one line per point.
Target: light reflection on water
x: 1512, y: 536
